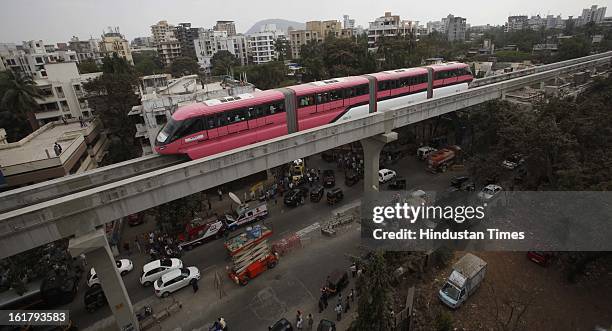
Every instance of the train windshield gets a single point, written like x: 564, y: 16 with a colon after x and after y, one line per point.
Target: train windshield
x: 168, y: 131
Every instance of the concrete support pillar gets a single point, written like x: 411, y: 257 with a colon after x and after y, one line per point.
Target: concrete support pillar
x: 542, y: 84
x: 95, y: 246
x: 372, y: 147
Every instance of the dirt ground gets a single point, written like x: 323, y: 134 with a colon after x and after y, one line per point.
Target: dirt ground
x: 512, y: 282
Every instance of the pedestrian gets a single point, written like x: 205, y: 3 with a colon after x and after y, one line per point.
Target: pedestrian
x: 220, y: 194
x: 338, y: 310
x: 57, y: 149
x: 223, y: 324
x: 309, y: 321
x: 321, y: 305
x: 324, y: 297
x: 137, y: 244
x: 209, y: 205
x: 64, y: 120
x: 298, y: 317
x: 194, y: 284
x: 352, y: 295
x: 347, y: 305
x: 353, y: 269
x: 300, y: 323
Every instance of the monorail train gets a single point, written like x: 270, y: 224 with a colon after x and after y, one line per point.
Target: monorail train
x: 220, y: 125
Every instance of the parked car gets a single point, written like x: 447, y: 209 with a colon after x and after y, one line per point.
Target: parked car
x: 489, y: 192
x: 398, y: 184
x: 385, y: 175
x: 541, y: 258
x: 123, y: 266
x: 153, y: 270
x: 316, y: 193
x: 281, y: 325
x: 334, y: 196
x: 135, y: 219
x: 94, y: 298
x: 329, y: 178
x: 423, y: 152
x: 351, y: 178
x: 175, y: 280
x: 294, y: 197
x: 514, y: 161
x: 462, y: 183
x: 326, y: 325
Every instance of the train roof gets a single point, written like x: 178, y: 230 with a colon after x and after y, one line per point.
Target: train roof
x: 328, y: 85
x: 399, y: 73
x: 447, y: 66
x: 214, y: 106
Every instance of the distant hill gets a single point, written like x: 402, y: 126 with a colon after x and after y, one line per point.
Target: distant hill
x: 280, y: 24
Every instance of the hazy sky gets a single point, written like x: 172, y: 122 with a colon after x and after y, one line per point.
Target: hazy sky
x: 58, y: 20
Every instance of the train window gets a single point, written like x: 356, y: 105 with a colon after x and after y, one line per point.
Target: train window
x: 193, y: 126
x: 393, y: 84
x: 306, y: 101
x: 275, y: 108
x: 211, y: 122
x: 322, y: 98
x: 403, y: 82
x: 349, y: 92
x: 382, y: 86
x: 335, y: 95
x: 363, y: 89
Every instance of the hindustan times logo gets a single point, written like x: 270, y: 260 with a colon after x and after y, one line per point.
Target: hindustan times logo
x: 412, y: 213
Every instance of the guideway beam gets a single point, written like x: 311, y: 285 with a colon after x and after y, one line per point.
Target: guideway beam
x: 95, y: 246
x: 372, y: 147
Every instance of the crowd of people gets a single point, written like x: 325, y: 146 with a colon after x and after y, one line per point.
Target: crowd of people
x: 158, y: 245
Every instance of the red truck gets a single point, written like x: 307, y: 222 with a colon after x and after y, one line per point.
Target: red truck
x: 200, y: 231
x: 251, y: 255
x: 440, y: 160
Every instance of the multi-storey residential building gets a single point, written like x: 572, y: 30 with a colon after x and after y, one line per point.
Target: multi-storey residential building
x: 169, y: 50
x: 454, y: 28
x: 516, y: 23
x: 349, y: 23
x: 113, y: 42
x: 86, y: 49
x: 210, y: 42
x: 435, y: 26
x: 227, y: 26
x: 161, y: 32
x: 593, y: 14
x: 325, y: 28
x: 30, y: 58
x: 161, y: 95
x: 262, y: 44
x: 186, y: 35
x: 297, y: 38
x: 390, y: 26
x: 63, y: 94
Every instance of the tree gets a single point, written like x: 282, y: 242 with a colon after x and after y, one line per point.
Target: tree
x: 147, y: 63
x: 18, y: 94
x: 573, y: 48
x: 281, y: 46
x: 374, y: 305
x: 183, y: 66
x: 88, y: 66
x: 264, y: 76
x: 112, y: 96
x: 173, y: 216
x: 223, y: 62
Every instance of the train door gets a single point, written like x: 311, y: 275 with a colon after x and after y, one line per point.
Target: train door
x: 253, y: 118
x: 336, y: 99
x: 223, y: 121
x: 322, y: 100
x: 237, y: 121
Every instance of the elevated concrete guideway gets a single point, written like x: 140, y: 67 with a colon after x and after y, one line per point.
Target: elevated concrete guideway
x: 79, y: 213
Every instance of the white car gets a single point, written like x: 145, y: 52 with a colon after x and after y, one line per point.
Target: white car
x: 489, y: 192
x: 123, y: 266
x: 385, y: 175
x: 513, y: 161
x: 175, y: 280
x: 154, y: 270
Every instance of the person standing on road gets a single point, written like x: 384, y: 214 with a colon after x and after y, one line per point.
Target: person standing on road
x: 223, y: 324
x: 347, y: 305
x: 300, y: 323
x: 353, y: 269
x: 298, y: 317
x: 321, y: 304
x: 220, y: 194
x: 338, y: 310
x: 352, y: 295
x: 137, y: 244
x: 195, y: 286
x: 309, y: 321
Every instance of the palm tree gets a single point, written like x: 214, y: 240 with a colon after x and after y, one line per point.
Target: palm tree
x: 18, y: 94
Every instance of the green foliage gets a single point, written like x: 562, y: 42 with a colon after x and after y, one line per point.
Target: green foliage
x: 442, y: 256
x: 183, y: 66
x: 18, y: 94
x: 512, y: 56
x: 573, y: 48
x: 174, y: 215
x: 444, y: 321
x: 112, y: 96
x: 147, y: 63
x: 374, y: 305
x: 223, y: 62
x: 264, y: 76
x: 88, y: 66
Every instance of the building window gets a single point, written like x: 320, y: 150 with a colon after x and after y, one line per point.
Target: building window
x: 60, y: 91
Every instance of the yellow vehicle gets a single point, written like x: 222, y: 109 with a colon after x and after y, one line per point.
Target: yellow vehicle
x: 297, y: 170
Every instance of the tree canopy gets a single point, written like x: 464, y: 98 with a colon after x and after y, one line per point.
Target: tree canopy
x: 88, y: 66
x: 183, y: 66
x: 147, y: 63
x: 223, y: 62
x: 374, y: 305
x: 18, y: 94
x: 264, y: 76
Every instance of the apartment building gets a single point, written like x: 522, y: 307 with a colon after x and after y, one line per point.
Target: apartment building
x: 261, y: 45
x: 31, y: 57
x: 86, y: 49
x: 227, y: 26
x: 318, y: 31
x: 142, y: 42
x: 210, y: 41
x: 161, y: 32
x: 113, y: 42
x: 390, y: 26
x: 594, y: 14
x: 297, y: 38
x: 186, y: 35
x: 63, y: 94
x: 517, y: 23
x: 348, y: 23
x: 169, y: 50
x: 454, y: 28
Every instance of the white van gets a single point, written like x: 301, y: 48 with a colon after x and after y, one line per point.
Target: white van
x: 152, y: 271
